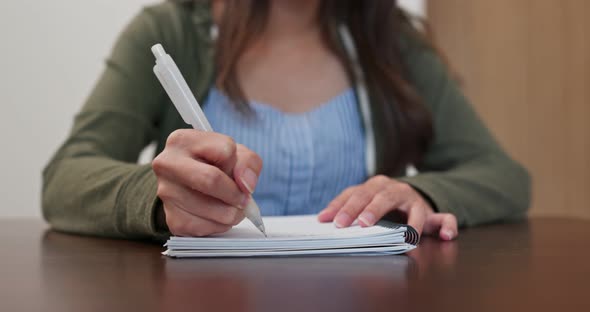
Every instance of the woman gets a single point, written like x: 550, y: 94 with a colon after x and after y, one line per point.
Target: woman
x: 337, y: 97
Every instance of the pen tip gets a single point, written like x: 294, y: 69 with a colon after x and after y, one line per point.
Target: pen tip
x: 263, y: 230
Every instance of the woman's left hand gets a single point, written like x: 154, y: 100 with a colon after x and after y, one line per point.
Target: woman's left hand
x: 380, y: 195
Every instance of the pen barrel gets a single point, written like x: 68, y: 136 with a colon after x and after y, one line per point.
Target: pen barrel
x: 179, y: 92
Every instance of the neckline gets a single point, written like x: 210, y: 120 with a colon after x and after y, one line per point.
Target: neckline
x: 264, y: 108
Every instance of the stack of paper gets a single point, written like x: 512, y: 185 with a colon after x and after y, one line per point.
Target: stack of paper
x: 297, y: 235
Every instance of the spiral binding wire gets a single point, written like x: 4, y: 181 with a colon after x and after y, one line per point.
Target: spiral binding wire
x: 411, y: 235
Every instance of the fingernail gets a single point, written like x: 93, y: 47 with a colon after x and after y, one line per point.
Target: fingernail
x: 447, y: 234
x: 249, y: 179
x: 342, y: 220
x: 326, y: 216
x: 368, y: 218
x: 322, y: 216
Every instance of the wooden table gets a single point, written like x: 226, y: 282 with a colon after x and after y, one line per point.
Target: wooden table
x: 542, y: 265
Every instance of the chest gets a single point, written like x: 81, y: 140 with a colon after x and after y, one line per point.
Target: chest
x: 294, y: 80
x: 308, y: 158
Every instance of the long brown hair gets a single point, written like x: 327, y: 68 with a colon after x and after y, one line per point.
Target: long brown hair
x: 376, y: 27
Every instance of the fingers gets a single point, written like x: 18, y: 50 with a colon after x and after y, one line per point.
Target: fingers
x: 442, y: 224
x: 213, y: 148
x: 181, y: 223
x: 200, y: 177
x: 328, y: 214
x: 374, y: 189
x: 198, y: 204
x: 353, y: 206
x: 417, y: 217
x: 381, y: 204
x: 247, y: 169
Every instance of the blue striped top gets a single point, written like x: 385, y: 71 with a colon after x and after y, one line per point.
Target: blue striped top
x: 309, y: 158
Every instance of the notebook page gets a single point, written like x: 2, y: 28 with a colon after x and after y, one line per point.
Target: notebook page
x: 253, y: 253
x: 296, y: 227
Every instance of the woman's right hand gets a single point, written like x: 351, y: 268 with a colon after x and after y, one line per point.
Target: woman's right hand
x: 205, y: 180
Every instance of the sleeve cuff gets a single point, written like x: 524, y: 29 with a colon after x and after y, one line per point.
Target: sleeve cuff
x: 138, y: 205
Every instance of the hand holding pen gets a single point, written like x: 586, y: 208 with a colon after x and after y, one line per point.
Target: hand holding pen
x: 205, y: 179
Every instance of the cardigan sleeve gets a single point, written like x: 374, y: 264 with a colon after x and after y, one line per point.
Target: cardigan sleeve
x: 92, y: 185
x: 464, y: 172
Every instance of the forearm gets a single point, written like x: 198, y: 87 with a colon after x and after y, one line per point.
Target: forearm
x: 488, y: 189
x: 99, y: 196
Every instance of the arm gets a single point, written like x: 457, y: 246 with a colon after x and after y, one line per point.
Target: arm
x: 465, y: 172
x: 93, y: 185
x: 465, y: 179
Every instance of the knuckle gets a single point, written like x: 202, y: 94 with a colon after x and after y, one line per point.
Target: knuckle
x: 384, y: 197
x: 160, y: 163
x: 361, y: 197
x: 404, y: 187
x: 381, y: 179
x: 228, y: 146
x: 177, y: 137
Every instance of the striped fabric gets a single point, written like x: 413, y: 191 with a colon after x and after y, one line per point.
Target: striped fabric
x: 309, y: 158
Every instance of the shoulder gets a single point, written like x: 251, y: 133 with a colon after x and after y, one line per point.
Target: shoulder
x: 424, y: 65
x: 169, y: 22
x: 168, y: 12
x: 416, y: 49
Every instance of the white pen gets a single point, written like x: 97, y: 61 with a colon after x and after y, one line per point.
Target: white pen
x: 190, y: 110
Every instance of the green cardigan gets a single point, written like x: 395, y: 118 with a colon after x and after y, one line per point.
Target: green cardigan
x: 93, y: 185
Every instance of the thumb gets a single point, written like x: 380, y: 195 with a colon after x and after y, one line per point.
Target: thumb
x: 444, y: 225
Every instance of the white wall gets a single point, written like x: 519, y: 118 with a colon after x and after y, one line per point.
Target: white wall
x: 416, y: 7
x: 51, y: 53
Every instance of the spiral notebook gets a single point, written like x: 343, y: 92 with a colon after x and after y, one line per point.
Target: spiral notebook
x: 297, y: 235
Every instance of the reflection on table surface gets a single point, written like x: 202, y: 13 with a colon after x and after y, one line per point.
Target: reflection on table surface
x: 542, y: 265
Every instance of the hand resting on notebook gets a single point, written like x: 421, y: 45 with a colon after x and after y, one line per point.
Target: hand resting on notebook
x: 381, y: 195
x: 204, y: 181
